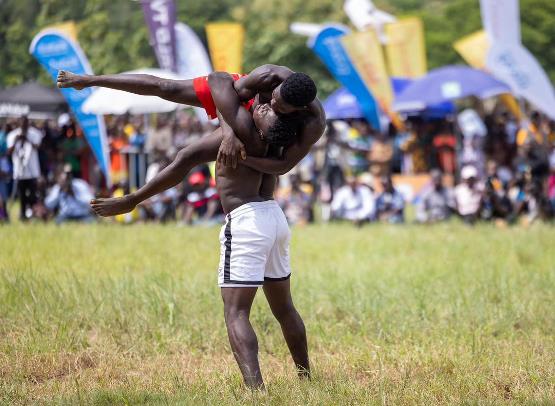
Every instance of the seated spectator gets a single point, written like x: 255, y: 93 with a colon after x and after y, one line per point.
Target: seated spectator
x: 69, y: 198
x: 353, y: 202
x: 390, y: 204
x: 297, y: 204
x: 201, y: 199
x: 436, y: 202
x: 496, y: 204
x: 468, y: 195
x: 160, y: 207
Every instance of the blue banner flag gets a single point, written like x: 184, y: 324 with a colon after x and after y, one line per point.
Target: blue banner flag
x: 327, y: 45
x: 55, y: 52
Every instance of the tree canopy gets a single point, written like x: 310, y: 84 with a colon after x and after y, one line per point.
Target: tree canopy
x: 115, y: 38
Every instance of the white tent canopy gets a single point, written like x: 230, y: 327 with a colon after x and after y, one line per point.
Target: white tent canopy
x: 110, y: 101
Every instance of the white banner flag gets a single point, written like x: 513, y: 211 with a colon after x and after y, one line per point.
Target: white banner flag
x: 517, y: 67
x: 501, y: 20
x: 192, y: 58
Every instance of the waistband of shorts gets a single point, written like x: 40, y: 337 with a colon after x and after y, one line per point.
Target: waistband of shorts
x: 251, y: 206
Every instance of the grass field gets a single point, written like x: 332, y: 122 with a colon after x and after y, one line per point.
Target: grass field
x: 395, y: 315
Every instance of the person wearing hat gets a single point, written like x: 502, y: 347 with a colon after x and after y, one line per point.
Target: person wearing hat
x: 468, y: 195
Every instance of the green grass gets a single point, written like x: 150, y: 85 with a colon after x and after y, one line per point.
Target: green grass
x: 107, y: 314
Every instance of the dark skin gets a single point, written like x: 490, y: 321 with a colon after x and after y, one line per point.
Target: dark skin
x: 236, y: 187
x: 238, y: 301
x: 205, y: 150
x: 263, y: 82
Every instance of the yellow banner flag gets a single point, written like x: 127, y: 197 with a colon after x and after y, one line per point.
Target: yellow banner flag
x: 405, y: 48
x: 365, y: 51
x: 474, y: 49
x: 68, y: 28
x: 225, y: 41
x: 366, y: 54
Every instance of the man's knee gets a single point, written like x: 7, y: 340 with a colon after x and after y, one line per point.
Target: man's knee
x: 233, y: 312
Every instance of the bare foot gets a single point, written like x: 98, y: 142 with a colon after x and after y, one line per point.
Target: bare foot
x: 112, y: 206
x: 68, y: 79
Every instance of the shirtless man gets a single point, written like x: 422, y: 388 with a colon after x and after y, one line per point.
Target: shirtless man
x: 256, y: 253
x: 291, y: 95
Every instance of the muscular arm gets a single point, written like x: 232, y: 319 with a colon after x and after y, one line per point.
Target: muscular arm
x: 178, y: 91
x: 295, y: 153
x: 228, y: 103
x: 262, y: 79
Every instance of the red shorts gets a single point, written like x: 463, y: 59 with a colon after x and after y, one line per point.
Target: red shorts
x: 202, y: 89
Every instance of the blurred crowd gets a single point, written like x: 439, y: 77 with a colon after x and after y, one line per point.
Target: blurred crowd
x: 493, y: 169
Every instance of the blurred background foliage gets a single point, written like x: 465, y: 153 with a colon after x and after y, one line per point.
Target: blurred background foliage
x: 115, y: 38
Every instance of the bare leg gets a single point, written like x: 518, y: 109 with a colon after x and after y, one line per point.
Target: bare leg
x: 178, y: 91
x: 244, y: 344
x: 201, y: 151
x: 279, y: 298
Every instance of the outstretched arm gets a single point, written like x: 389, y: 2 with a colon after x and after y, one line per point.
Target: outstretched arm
x: 202, y: 151
x: 178, y: 91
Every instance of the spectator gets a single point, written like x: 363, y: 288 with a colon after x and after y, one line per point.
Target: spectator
x: 160, y: 207
x: 160, y: 138
x: 472, y: 155
x: 445, y: 143
x: 23, y: 144
x: 495, y: 202
x: 414, y: 148
x: 5, y: 175
x: 297, y: 204
x: 437, y: 202
x: 118, y: 164
x: 69, y: 198
x: 72, y: 145
x: 468, y: 195
x: 359, y: 141
x: 353, y: 202
x: 201, y: 200
x: 380, y: 155
x: 390, y: 205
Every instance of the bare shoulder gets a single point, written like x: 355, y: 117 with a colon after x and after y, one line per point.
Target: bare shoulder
x: 315, y: 122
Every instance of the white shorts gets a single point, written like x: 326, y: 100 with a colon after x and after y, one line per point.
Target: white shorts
x: 254, y: 245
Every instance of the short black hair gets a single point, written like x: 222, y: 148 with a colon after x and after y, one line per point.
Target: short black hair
x: 298, y: 89
x: 283, y: 132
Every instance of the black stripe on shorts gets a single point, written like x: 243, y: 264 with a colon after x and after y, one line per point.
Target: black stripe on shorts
x: 227, y: 261
x: 266, y: 279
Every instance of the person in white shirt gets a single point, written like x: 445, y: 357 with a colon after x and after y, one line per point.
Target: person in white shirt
x: 23, y: 144
x: 70, y: 198
x: 468, y: 195
x: 353, y: 202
